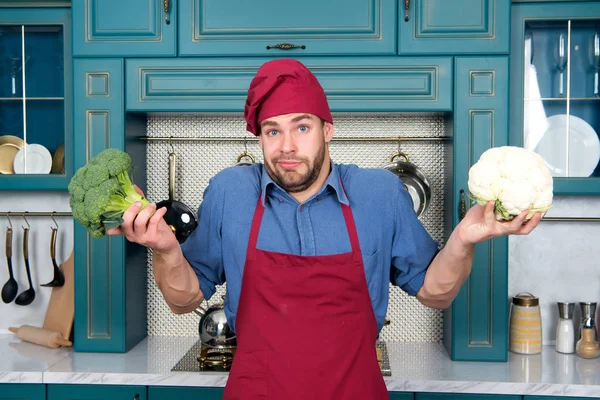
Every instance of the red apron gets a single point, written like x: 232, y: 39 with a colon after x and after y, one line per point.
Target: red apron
x: 305, y: 326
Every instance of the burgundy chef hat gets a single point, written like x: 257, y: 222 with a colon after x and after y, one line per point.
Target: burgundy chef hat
x: 284, y: 86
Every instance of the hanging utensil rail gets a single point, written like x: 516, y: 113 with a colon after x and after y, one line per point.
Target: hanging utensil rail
x: 571, y: 219
x: 335, y: 139
x: 34, y: 214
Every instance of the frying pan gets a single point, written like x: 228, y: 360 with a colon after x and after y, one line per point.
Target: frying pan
x: 179, y: 216
x: 414, y: 180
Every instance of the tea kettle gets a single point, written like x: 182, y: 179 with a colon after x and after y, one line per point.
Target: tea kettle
x: 213, y: 328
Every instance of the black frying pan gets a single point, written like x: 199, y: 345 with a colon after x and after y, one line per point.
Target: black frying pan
x: 179, y: 216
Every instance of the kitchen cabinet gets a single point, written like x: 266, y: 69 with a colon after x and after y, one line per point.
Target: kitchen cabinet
x: 464, y: 396
x: 110, y: 302
x: 401, y: 396
x: 35, y: 98
x: 476, y: 324
x: 177, y: 393
x: 273, y: 28
x: 351, y: 84
x: 132, y: 28
x: 22, y: 391
x: 555, y: 90
x: 96, y: 392
x: 453, y: 27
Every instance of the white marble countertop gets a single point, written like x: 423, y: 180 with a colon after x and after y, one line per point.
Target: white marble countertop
x: 416, y: 367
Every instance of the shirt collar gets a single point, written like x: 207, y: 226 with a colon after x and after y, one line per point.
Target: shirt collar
x: 333, y: 181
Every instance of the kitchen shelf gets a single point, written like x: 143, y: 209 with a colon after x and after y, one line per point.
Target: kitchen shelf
x: 32, y: 98
x: 563, y: 99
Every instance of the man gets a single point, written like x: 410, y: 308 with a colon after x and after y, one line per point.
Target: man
x: 307, y: 248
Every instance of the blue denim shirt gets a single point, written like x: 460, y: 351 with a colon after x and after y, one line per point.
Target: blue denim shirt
x: 394, y: 244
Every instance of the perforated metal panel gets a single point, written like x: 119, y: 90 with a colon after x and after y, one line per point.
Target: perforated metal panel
x: 197, y: 162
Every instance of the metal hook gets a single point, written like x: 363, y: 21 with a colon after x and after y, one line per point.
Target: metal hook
x: 399, y: 141
x: 245, y: 146
x: 9, y: 221
x: 171, y: 144
x: 53, y: 220
x: 27, y: 222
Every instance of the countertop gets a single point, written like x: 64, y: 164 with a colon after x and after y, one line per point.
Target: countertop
x: 416, y: 367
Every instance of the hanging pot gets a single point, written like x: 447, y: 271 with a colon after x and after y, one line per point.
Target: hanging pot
x: 179, y: 216
x: 414, y: 180
x: 245, y: 159
x: 213, y: 328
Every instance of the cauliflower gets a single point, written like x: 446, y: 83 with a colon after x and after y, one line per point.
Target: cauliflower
x: 516, y: 179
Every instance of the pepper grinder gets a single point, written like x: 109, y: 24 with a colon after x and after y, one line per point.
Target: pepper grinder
x: 565, y: 331
x: 587, y: 346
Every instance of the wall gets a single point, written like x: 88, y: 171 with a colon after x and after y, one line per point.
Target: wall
x: 39, y: 251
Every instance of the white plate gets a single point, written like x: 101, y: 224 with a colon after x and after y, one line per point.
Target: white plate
x: 584, y: 147
x: 39, y: 160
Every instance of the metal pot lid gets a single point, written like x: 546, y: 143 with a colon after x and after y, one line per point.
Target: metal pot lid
x: 414, y: 180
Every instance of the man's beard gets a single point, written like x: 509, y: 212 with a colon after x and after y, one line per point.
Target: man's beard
x: 289, y: 181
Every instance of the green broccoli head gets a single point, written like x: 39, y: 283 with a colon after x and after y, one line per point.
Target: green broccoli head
x: 102, y: 190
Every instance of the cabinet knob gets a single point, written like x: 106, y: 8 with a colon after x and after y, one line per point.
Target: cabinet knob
x: 167, y: 7
x: 287, y: 46
x: 406, y: 7
x: 137, y: 395
x: 463, y: 205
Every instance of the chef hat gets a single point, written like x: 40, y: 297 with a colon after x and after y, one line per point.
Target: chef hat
x: 284, y: 86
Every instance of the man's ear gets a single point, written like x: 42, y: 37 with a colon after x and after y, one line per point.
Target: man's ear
x: 328, y: 131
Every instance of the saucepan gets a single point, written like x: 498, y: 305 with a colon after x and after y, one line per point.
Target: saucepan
x: 414, y: 180
x: 180, y: 218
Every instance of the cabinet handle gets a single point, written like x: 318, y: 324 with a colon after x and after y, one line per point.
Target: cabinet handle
x: 463, y: 205
x: 406, y: 7
x: 287, y: 46
x: 137, y: 395
x: 167, y: 7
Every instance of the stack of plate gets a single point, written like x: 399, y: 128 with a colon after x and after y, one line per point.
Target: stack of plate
x: 58, y: 160
x: 33, y: 159
x: 9, y: 147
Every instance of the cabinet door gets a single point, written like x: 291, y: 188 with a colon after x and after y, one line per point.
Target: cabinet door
x: 352, y: 84
x: 401, y: 396
x: 22, y: 391
x: 476, y: 324
x: 461, y: 396
x: 36, y: 150
x: 96, y: 392
x: 116, y: 28
x: 110, y: 272
x: 275, y: 28
x: 453, y: 27
x: 555, y: 88
x: 178, y: 393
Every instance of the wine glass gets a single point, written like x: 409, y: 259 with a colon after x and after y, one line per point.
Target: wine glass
x: 561, y: 63
x: 596, y: 62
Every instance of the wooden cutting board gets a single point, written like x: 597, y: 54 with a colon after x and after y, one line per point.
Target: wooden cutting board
x: 61, y: 307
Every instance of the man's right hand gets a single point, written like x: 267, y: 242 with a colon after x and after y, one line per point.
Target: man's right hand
x: 147, y: 227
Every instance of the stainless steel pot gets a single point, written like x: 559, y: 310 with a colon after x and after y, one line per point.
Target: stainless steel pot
x: 414, y: 180
x: 213, y: 328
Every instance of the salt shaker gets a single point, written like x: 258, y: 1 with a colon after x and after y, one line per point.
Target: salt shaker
x: 565, y: 330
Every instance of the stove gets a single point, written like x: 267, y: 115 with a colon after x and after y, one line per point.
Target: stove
x: 200, y: 358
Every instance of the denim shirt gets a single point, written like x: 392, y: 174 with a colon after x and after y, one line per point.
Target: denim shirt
x: 395, y: 246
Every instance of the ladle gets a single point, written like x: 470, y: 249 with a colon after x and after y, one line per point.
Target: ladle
x: 59, y: 277
x: 10, y: 288
x: 26, y: 297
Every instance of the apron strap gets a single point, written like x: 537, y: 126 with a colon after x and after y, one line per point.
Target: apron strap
x: 258, y: 214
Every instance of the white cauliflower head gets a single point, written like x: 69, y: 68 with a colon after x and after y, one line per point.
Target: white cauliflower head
x: 515, y: 178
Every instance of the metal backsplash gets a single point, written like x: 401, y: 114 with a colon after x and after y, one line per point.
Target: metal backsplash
x: 198, y: 161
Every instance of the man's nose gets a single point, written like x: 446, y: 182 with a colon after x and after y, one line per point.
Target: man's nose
x: 288, y: 143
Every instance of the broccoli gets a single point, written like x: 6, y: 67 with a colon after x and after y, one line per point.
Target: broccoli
x: 102, y: 190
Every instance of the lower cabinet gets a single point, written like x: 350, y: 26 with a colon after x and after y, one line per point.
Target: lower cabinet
x: 96, y: 392
x: 179, y: 393
x: 464, y: 396
x: 22, y: 391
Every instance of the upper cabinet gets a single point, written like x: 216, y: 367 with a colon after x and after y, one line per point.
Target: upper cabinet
x: 132, y: 28
x: 556, y: 90
x: 453, y: 27
x: 275, y: 28
x: 35, y: 99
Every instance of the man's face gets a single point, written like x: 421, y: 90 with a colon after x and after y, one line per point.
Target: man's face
x: 294, y: 148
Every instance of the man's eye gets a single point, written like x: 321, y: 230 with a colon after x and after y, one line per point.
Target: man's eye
x: 272, y: 132
x: 303, y: 128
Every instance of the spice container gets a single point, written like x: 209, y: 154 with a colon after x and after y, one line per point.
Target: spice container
x: 565, y: 330
x: 525, y: 335
x: 587, y: 346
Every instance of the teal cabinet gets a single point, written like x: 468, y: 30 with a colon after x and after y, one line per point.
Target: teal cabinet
x: 36, y: 148
x: 351, y: 84
x: 274, y: 28
x: 463, y: 396
x: 22, y: 391
x: 96, y: 392
x: 454, y: 27
x: 555, y: 87
x: 402, y: 396
x: 178, y: 393
x: 132, y: 28
x: 110, y: 272
x: 476, y: 324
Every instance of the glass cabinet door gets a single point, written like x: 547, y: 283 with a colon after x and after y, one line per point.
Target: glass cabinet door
x: 32, y: 99
x: 561, y: 94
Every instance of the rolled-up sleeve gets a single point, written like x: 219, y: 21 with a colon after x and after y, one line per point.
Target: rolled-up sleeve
x: 413, y: 248
x: 203, y: 247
